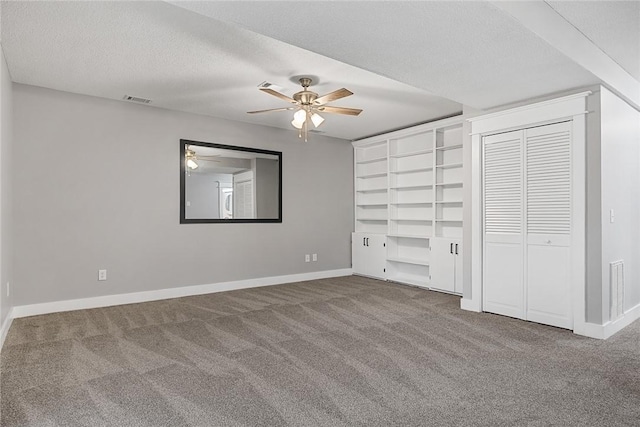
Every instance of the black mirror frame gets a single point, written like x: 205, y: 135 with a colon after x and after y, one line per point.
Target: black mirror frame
x: 184, y: 220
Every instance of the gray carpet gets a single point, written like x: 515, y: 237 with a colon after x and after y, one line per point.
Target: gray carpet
x: 336, y: 352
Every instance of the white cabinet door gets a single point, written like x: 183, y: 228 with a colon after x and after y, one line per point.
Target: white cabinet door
x: 457, y: 287
x: 442, y: 266
x: 359, y: 253
x: 369, y: 254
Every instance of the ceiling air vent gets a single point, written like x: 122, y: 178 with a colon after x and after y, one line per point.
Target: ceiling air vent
x: 136, y: 99
x: 267, y: 85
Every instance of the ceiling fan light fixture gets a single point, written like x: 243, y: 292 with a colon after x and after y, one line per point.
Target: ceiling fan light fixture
x: 191, y: 164
x: 299, y: 118
x: 317, y: 119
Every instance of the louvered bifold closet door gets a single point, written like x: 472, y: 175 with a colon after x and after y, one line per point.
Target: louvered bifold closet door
x: 548, y: 209
x: 503, y: 291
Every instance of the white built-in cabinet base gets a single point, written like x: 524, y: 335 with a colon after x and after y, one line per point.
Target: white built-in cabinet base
x: 369, y: 254
x: 409, y: 190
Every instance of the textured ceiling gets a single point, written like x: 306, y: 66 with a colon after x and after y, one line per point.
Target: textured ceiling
x: 614, y: 26
x: 406, y: 61
x: 469, y: 52
x: 188, y: 62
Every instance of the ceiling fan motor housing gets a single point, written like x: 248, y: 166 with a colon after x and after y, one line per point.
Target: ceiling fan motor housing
x: 305, y: 97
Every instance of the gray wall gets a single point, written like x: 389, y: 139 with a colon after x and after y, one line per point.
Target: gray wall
x: 6, y: 214
x: 620, y: 150
x: 266, y: 188
x: 593, y: 305
x: 202, y: 196
x: 98, y: 187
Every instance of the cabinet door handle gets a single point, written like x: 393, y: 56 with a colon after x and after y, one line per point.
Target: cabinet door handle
x: 451, y: 248
x: 364, y: 241
x: 456, y: 249
x: 367, y: 241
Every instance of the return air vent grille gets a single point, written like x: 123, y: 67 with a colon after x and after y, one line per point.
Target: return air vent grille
x: 136, y: 99
x: 616, y: 274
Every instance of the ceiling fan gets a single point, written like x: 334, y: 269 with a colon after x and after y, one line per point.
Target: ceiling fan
x: 191, y: 159
x: 308, y: 104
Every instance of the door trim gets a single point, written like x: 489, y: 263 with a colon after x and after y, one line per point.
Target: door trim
x: 572, y: 107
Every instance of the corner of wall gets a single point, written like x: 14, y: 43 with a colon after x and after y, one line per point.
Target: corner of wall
x: 593, y: 304
x: 6, y: 205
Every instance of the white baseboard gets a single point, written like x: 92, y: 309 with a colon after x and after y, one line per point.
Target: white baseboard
x: 470, y: 305
x: 610, y: 328
x: 185, y: 291
x: 5, y: 327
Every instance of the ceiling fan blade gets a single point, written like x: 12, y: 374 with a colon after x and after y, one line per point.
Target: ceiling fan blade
x: 279, y: 95
x: 340, y: 110
x: 336, y: 94
x: 272, y: 109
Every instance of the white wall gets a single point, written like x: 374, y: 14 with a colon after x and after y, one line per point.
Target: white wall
x: 98, y: 187
x: 6, y: 205
x: 620, y: 163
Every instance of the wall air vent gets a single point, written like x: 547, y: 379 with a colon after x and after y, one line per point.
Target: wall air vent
x: 616, y: 278
x: 136, y: 99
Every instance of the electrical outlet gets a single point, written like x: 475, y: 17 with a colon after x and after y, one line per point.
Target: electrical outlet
x: 307, y: 258
x: 315, y: 257
x: 102, y: 275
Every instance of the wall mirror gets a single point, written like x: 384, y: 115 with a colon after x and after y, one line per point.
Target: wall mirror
x: 224, y: 183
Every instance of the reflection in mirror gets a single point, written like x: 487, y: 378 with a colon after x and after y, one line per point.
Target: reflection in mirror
x: 224, y: 183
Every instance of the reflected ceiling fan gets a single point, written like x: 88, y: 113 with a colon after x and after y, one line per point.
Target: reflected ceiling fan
x: 191, y: 159
x: 308, y: 104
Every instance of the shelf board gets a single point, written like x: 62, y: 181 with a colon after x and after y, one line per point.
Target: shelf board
x: 411, y: 220
x: 373, y: 190
x: 450, y: 221
x: 425, y: 169
x: 412, y: 204
x: 412, y: 153
x: 450, y: 166
x: 449, y: 202
x: 449, y: 147
x: 449, y: 184
x: 412, y: 187
x: 372, y: 175
x: 409, y: 236
x: 408, y: 261
x: 371, y: 219
x: 371, y: 204
x: 377, y: 159
x: 408, y: 280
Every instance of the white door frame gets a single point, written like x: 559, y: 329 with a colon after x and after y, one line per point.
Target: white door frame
x: 572, y: 107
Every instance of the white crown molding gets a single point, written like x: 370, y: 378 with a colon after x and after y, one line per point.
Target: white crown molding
x: 531, y: 114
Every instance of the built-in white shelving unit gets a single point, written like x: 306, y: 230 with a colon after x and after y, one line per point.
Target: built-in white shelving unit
x: 409, y: 187
x: 371, y: 187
